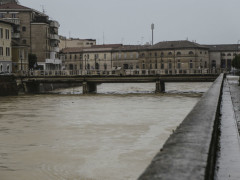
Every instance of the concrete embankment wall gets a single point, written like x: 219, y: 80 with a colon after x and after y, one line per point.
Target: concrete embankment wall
x: 8, y: 86
x: 190, y: 152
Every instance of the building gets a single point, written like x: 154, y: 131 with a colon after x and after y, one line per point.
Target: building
x: 75, y: 42
x: 5, y: 47
x: 96, y: 57
x: 221, y: 56
x: 167, y: 57
x: 36, y: 31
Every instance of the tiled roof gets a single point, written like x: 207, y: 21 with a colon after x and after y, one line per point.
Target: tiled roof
x: 107, y: 46
x: 176, y: 44
x: 224, y: 47
x: 72, y: 50
x: 13, y: 6
x: 131, y: 48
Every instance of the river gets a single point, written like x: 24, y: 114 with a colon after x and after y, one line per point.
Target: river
x: 112, y: 135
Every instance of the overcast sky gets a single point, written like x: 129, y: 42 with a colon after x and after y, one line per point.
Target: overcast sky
x: 129, y: 21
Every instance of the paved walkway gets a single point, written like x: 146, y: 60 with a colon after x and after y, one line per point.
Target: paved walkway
x: 228, y: 162
x: 235, y: 94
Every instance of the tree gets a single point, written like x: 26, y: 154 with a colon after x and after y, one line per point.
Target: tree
x: 32, y: 60
x: 236, y: 63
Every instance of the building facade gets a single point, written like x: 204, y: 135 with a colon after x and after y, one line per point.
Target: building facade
x: 75, y: 42
x: 5, y: 47
x: 36, y: 31
x: 166, y: 57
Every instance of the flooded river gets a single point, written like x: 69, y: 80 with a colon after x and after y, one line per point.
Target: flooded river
x: 112, y: 135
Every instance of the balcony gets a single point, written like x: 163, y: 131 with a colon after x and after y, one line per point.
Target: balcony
x: 15, y: 21
x: 54, y: 37
x: 54, y: 24
x: 16, y: 35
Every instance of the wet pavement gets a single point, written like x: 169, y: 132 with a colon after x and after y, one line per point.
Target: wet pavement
x: 235, y: 94
x: 228, y: 162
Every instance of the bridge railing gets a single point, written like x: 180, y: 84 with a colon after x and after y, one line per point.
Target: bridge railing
x: 128, y: 72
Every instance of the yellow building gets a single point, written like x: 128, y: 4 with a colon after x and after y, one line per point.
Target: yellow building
x: 5, y: 47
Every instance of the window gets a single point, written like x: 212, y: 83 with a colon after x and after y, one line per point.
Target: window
x: 96, y: 66
x: 155, y: 54
x: 24, y: 41
x: 125, y: 56
x: 1, y: 15
x: 105, y: 56
x: 114, y: 56
x: 7, y: 34
x: 131, y: 55
x: 170, y: 65
x: 7, y: 51
x: 229, y: 54
x: 190, y: 53
x: 1, y: 33
x: 223, y: 54
x: 205, y: 64
x: 1, y: 68
x: 13, y: 15
x: 23, y: 28
x: 229, y: 63
x: 162, y: 54
x: 223, y: 63
x: 70, y: 56
x: 190, y: 64
x: 179, y: 64
x: 75, y: 56
x: 119, y: 55
x: 8, y: 68
x: 213, y: 63
x: 178, y: 53
x: 1, y: 51
x: 170, y: 53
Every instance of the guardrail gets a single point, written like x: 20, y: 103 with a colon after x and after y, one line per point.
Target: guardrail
x: 129, y: 72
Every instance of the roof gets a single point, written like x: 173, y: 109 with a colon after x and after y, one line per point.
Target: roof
x: 107, y: 46
x: 224, y: 47
x: 131, y: 48
x: 72, y: 50
x: 14, y: 6
x: 176, y: 44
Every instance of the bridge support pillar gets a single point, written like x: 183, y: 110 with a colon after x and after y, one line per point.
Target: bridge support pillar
x: 89, y: 87
x: 160, y: 87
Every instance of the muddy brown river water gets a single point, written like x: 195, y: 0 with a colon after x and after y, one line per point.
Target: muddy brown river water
x: 112, y: 135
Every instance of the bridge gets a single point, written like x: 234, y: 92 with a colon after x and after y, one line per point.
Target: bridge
x: 90, y: 79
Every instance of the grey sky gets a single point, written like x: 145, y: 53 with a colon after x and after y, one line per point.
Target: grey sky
x: 128, y: 21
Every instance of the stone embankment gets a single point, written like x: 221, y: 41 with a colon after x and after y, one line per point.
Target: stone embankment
x: 8, y: 85
x: 191, y: 151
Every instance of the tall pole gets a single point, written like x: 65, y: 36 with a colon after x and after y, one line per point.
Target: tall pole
x: 152, y: 27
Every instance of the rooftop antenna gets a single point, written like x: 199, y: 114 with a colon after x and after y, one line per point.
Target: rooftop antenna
x: 43, y: 9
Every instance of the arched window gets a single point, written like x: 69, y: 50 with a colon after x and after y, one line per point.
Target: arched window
x: 88, y: 66
x: 178, y: 53
x: 190, y: 53
x: 229, y: 54
x: 170, y: 53
x: 223, y: 54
